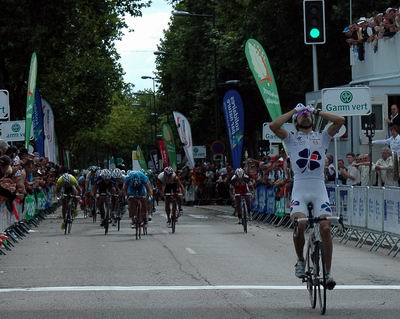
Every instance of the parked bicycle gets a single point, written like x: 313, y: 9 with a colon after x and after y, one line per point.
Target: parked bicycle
x: 315, y: 277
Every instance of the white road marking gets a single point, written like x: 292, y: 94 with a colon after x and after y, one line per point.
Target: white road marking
x: 227, y: 216
x: 165, y: 231
x: 190, y: 251
x: 198, y: 216
x: 185, y: 288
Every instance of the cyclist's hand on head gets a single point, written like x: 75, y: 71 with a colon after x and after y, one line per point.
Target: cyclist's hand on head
x: 310, y: 108
x: 300, y: 107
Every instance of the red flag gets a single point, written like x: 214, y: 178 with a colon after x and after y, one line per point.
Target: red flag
x: 163, y: 151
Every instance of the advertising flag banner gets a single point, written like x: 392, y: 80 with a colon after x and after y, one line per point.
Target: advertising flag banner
x: 185, y: 135
x: 141, y: 159
x: 234, y: 118
x: 163, y: 152
x: 30, y: 99
x: 37, y: 120
x: 262, y: 72
x: 168, y: 137
x: 50, y: 147
x: 135, y: 161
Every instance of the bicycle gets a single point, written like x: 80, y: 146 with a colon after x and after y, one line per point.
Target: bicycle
x: 315, y: 276
x: 106, y: 214
x: 119, y: 205
x: 138, y: 217
x: 68, y: 214
x: 245, y: 210
x: 174, y: 203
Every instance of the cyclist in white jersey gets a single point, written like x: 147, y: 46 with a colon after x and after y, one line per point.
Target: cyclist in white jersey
x: 307, y: 150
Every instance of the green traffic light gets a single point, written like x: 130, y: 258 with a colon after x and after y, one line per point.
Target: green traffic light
x: 314, y: 33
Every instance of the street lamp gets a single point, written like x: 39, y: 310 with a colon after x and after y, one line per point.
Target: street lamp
x: 147, y: 77
x: 160, y: 52
x: 212, y: 16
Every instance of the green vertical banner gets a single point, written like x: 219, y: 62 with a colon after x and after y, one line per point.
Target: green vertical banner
x: 30, y: 100
x: 262, y: 72
x: 141, y: 159
x: 168, y: 137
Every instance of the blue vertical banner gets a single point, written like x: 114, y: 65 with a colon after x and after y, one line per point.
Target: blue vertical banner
x: 234, y: 118
x: 37, y: 121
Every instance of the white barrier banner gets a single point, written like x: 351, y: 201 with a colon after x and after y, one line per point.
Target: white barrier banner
x: 359, y: 212
x: 392, y: 211
x: 375, y: 209
x: 345, y: 204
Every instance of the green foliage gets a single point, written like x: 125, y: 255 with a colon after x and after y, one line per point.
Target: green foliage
x: 78, y: 71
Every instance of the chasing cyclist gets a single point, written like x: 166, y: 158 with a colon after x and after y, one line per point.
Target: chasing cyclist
x: 138, y: 188
x: 67, y: 185
x: 306, y: 149
x: 240, y: 187
x: 104, y: 187
x: 170, y: 184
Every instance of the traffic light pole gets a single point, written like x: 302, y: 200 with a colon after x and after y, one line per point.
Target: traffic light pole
x: 315, y: 67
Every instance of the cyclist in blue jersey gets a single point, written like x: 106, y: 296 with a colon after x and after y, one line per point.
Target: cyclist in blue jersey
x: 138, y: 188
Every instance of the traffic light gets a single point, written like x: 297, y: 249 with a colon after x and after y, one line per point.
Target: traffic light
x: 314, y: 21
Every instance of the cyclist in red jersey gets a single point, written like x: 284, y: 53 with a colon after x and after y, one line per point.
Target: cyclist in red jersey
x: 240, y: 186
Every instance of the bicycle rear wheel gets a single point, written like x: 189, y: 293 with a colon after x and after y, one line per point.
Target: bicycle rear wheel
x: 107, y: 222
x: 309, y: 277
x: 321, y: 278
x: 244, y: 217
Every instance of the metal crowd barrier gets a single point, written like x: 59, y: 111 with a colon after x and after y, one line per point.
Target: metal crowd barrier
x: 371, y: 215
x: 17, y: 219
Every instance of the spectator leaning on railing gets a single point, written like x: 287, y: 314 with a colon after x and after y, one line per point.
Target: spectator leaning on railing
x: 393, y: 141
x: 371, y: 30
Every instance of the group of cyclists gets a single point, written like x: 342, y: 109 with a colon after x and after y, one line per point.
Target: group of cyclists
x: 100, y: 190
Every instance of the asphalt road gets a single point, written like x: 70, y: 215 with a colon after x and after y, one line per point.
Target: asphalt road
x: 208, y: 268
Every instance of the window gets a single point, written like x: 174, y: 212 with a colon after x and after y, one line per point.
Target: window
x: 376, y: 116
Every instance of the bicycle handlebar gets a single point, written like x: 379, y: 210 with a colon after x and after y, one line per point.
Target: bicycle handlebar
x: 318, y: 219
x: 247, y: 194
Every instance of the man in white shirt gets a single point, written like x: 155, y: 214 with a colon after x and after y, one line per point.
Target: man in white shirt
x: 352, y: 174
x: 393, y: 141
x: 384, y: 168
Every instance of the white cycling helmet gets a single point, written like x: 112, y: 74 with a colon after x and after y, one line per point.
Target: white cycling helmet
x: 66, y: 178
x: 239, y: 173
x: 117, y: 174
x: 168, y: 171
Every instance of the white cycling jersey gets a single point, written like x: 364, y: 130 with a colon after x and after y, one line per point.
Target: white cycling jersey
x: 307, y: 157
x: 307, y: 154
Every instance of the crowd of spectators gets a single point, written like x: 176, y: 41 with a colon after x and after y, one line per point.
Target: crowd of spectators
x: 23, y: 173
x: 357, y: 171
x: 371, y: 30
x: 209, y: 184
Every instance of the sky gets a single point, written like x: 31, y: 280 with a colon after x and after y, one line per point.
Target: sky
x: 136, y: 48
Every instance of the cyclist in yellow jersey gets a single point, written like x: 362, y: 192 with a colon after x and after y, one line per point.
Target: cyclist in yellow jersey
x: 67, y: 185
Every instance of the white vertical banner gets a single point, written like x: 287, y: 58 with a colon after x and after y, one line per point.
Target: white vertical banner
x: 49, y: 133
x: 185, y: 135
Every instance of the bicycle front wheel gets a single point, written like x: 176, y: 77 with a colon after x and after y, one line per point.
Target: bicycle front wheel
x: 309, y: 277
x: 321, y: 278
